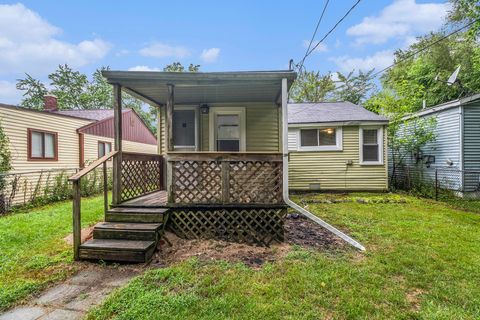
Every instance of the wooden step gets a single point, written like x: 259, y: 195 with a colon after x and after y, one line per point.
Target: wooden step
x: 139, y: 215
x: 117, y: 250
x: 127, y: 231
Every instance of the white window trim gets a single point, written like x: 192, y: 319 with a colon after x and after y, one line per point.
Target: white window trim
x: 214, y: 111
x: 380, y: 145
x: 338, y: 138
x: 197, y: 142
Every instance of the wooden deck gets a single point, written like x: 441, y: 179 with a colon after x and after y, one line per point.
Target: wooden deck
x: 155, y: 199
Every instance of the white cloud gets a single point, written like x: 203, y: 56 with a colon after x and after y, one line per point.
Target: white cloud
x: 143, y: 68
x: 28, y: 44
x: 210, y: 55
x: 320, y: 47
x: 162, y: 50
x: 122, y: 52
x: 401, y: 19
x: 9, y: 92
x: 377, y: 61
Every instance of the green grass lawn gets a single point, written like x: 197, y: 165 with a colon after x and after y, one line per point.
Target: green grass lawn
x: 422, y: 262
x: 32, y: 250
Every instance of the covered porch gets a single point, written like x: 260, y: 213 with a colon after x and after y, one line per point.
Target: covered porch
x: 219, y: 138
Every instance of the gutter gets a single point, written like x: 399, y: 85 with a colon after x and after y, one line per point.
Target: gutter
x: 286, y: 197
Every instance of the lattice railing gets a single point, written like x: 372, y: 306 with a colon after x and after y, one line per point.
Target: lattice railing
x: 141, y: 174
x: 225, y: 179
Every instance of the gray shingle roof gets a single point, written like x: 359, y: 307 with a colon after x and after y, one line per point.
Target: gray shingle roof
x: 96, y: 115
x: 330, y: 112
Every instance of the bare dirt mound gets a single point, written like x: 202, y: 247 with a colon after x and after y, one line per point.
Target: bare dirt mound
x: 298, y: 231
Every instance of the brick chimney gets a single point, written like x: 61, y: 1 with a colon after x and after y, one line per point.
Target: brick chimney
x: 50, y: 103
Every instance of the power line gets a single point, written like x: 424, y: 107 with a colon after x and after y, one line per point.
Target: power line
x: 425, y: 48
x: 334, y: 27
x: 310, y: 50
x: 314, y: 33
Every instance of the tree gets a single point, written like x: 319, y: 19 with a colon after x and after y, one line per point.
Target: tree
x: 464, y: 12
x: 34, y: 89
x: 178, y: 67
x: 406, y: 135
x: 354, y: 87
x: 311, y: 86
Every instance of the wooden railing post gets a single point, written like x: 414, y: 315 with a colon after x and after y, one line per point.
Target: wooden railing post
x: 225, y: 181
x: 170, y: 182
x: 105, y: 188
x: 77, y: 228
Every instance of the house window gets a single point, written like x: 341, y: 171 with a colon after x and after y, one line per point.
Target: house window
x: 104, y: 148
x: 42, y: 145
x: 371, y: 145
x: 227, y: 129
x: 228, y: 132
x: 326, y: 139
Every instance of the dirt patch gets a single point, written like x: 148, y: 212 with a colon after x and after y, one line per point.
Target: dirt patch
x: 299, y: 231
x: 413, y: 297
x: 86, y: 234
x: 209, y: 250
x: 303, y: 232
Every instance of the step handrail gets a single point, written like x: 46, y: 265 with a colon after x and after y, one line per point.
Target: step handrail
x: 77, y: 176
x: 77, y: 198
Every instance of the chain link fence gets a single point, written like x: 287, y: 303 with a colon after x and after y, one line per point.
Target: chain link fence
x: 44, y: 186
x: 440, y: 183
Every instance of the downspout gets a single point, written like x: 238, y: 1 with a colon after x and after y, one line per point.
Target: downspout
x: 286, y: 197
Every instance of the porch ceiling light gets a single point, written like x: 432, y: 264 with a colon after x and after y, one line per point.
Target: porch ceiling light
x: 204, y: 108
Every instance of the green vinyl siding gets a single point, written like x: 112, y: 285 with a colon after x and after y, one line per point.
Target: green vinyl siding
x: 204, y: 132
x: 330, y: 171
x: 262, y: 128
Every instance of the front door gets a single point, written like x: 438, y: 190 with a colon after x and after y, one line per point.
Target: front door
x: 184, y: 128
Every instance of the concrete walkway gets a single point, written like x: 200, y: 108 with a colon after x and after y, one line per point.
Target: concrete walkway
x: 73, y: 298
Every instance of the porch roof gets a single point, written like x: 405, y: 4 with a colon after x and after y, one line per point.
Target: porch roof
x: 202, y: 87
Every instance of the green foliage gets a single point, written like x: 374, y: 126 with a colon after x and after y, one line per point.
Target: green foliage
x: 34, y: 89
x: 407, y: 272
x: 178, y: 67
x: 415, y: 78
x: 466, y: 11
x: 33, y: 252
x: 5, y: 157
x: 354, y: 87
x: 311, y: 86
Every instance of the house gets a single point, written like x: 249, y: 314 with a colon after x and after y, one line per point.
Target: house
x: 64, y: 140
x: 219, y: 171
x: 454, y: 155
x: 336, y: 146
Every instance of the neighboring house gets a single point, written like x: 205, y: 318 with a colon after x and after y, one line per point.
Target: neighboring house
x: 336, y: 146
x: 455, y: 152
x: 66, y: 139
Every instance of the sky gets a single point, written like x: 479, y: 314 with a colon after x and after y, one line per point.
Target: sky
x: 37, y: 36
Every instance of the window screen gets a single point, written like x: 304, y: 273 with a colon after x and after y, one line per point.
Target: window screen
x: 370, y: 145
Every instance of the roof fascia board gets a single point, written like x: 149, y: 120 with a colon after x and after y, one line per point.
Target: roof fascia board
x: 336, y: 123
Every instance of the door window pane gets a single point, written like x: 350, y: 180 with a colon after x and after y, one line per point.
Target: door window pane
x: 308, y: 138
x: 37, y: 145
x: 49, y: 145
x: 327, y: 137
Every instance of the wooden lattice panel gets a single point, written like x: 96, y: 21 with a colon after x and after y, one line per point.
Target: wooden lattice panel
x: 141, y: 174
x: 255, y: 182
x: 197, y: 182
x: 250, y: 225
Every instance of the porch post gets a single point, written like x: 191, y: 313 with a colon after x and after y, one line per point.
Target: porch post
x: 117, y: 130
x: 169, y: 134
x: 169, y: 120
